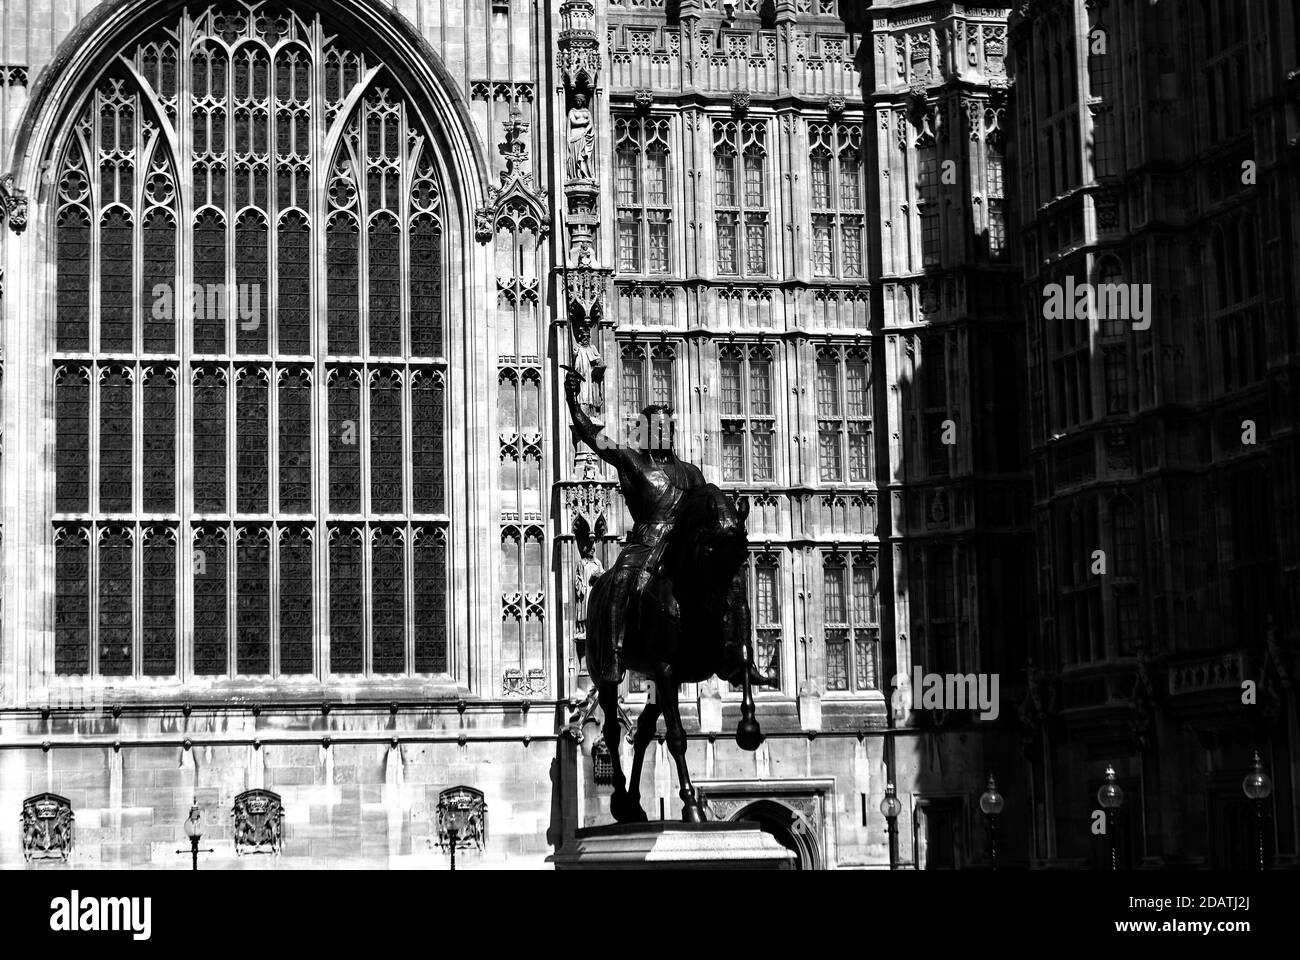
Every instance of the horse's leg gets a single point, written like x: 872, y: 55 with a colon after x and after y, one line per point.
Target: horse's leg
x: 748, y: 735
x: 666, y: 694
x: 645, y: 732
x: 623, y: 808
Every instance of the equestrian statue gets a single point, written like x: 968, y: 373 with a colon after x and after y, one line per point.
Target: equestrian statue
x: 673, y: 607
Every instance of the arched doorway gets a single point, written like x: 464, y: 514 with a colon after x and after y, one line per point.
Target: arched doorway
x: 788, y: 828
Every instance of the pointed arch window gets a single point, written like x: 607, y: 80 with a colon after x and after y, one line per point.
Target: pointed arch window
x: 248, y: 360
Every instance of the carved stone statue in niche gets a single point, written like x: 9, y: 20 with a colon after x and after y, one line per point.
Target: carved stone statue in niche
x: 587, y: 361
x: 582, y: 140
x: 586, y: 571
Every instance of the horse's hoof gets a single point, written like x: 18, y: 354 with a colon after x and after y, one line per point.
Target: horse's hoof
x: 626, y: 809
x: 692, y: 813
x: 748, y: 735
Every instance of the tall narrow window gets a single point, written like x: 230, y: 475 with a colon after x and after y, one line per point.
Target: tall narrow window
x: 388, y: 609
x: 642, y: 194
x: 72, y: 439
x: 740, y: 197
x: 71, y: 600
x: 295, y: 440
x: 251, y: 440
x: 116, y: 626
x: 767, y: 615
x: 835, y: 158
x: 345, y: 603
x: 295, y: 597
x: 159, y: 479
x: 209, y: 564
x: 747, y: 417
x: 116, y: 386
x: 239, y: 327
x: 158, y: 602
x: 386, y: 459
x: 850, y: 607
x: 253, y: 603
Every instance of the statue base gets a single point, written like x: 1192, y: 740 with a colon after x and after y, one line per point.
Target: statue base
x: 673, y: 845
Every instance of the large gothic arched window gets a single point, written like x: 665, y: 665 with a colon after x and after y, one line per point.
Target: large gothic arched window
x: 248, y: 362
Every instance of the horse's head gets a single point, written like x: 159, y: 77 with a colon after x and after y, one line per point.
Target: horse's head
x: 712, y: 539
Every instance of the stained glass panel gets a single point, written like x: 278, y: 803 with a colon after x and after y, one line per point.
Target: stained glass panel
x: 158, y: 603
x: 345, y: 629
x: 253, y: 603
x: 388, y: 599
x: 115, y: 580
x: 295, y: 597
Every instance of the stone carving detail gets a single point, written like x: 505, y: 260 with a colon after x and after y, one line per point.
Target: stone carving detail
x: 259, y: 822
x: 461, y: 818
x: 579, y: 50
x: 14, y: 202
x: 47, y: 827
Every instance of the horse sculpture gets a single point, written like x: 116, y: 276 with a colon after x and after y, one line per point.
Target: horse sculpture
x: 674, y: 605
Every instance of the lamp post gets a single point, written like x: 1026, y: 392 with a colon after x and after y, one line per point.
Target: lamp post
x: 1257, y: 786
x: 194, y: 832
x: 1111, y: 796
x: 891, y: 808
x: 991, y: 804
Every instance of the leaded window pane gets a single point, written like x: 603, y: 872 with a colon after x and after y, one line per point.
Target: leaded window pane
x: 295, y: 597
x: 116, y: 293
x: 345, y: 443
x: 731, y: 398
x: 386, y: 460
x: 427, y: 453
x: 251, y: 441
x: 385, y: 287
x: 656, y: 178
x: 159, y: 479
x: 728, y: 261
x: 859, y: 453
x: 208, y: 295
x: 837, y: 660
x: 253, y: 603
x: 115, y: 440
x: 210, y: 641
x: 388, y: 602
x: 209, y: 470
x: 251, y: 238
x: 295, y: 441
x: 430, y: 603
x: 733, y: 457
x: 754, y: 169
x: 828, y: 389
x: 345, y: 601
x: 115, y: 584
x: 821, y: 182
x: 72, y: 440
x: 342, y: 294
x: 71, y: 602
x: 158, y: 603
x: 72, y: 320
x: 293, y: 303
x: 661, y: 382
x: 761, y: 441
x: 833, y: 595
x: 760, y: 388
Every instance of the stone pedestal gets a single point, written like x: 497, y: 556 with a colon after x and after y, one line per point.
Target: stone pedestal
x: 671, y: 845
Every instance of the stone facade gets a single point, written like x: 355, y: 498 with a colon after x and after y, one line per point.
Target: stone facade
x: 793, y: 221
x: 1157, y: 146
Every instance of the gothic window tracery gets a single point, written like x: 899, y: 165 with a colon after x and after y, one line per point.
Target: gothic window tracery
x: 201, y: 321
